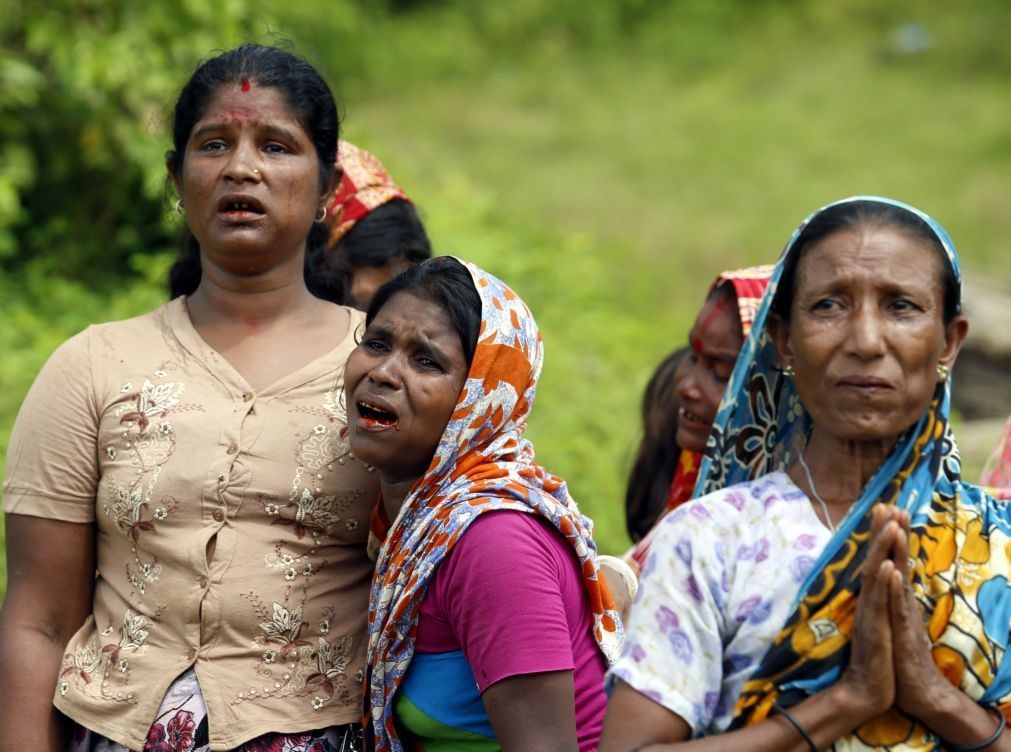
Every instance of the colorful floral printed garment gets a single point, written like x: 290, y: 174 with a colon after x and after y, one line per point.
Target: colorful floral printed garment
x: 717, y: 586
x: 181, y: 726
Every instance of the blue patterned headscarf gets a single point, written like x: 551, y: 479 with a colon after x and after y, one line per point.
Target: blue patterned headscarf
x: 957, y: 530
x: 760, y: 425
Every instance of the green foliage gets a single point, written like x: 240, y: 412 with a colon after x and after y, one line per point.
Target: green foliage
x: 605, y: 158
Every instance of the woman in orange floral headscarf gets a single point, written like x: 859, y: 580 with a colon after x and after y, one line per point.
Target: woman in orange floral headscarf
x: 488, y: 616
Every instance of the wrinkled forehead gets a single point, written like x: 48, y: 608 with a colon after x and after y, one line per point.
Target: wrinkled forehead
x: 247, y: 102
x: 950, y: 255
x: 877, y: 251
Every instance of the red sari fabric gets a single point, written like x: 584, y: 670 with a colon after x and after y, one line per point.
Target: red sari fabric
x: 749, y: 286
x: 365, y: 184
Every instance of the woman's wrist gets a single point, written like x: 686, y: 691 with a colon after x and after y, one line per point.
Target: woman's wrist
x: 854, y: 704
x: 957, y: 718
x: 936, y: 704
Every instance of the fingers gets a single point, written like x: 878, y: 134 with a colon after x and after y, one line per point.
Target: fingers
x: 881, y: 592
x: 872, y: 659
x: 879, y: 517
x: 905, y: 609
x: 885, y: 626
x: 900, y: 544
x: 904, y: 519
x: 872, y: 633
x: 897, y: 600
x: 884, y: 530
x: 909, y: 643
x: 889, y: 539
x: 900, y: 553
x: 873, y: 602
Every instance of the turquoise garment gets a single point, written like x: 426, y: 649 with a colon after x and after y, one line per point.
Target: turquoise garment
x: 440, y: 705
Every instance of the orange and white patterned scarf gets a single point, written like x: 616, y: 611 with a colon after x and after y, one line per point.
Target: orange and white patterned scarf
x: 482, y: 464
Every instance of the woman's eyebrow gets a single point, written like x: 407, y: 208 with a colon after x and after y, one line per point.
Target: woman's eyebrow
x: 429, y: 346
x: 271, y: 131
x: 695, y: 342
x: 280, y: 133
x: 205, y: 129
x: 376, y: 330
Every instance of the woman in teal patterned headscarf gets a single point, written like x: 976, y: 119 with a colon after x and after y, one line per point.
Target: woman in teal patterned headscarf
x: 880, y: 617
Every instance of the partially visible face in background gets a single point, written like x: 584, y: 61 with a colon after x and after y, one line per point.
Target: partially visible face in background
x: 366, y: 280
x: 714, y: 342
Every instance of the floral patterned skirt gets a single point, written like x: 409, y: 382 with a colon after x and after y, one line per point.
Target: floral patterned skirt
x: 181, y: 726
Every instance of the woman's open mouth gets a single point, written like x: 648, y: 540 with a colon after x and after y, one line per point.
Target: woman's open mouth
x: 373, y: 417
x: 693, y: 420
x: 240, y: 209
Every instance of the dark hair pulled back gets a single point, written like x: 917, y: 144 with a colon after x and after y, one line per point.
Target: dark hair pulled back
x: 312, y: 103
x: 390, y: 232
x: 443, y: 280
x: 657, y: 458
x: 854, y: 215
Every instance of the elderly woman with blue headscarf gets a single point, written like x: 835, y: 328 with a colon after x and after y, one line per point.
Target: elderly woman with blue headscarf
x: 838, y: 584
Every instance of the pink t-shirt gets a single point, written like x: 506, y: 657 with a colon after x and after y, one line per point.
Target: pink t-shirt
x: 510, y: 595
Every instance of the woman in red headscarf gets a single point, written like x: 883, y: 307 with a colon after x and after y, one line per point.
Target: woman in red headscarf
x: 681, y: 400
x: 375, y: 232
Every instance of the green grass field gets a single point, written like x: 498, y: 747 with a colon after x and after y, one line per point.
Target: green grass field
x: 609, y: 192
x: 609, y: 186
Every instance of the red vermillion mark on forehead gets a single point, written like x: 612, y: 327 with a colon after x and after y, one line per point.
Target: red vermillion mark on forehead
x: 245, y: 85
x: 717, y: 307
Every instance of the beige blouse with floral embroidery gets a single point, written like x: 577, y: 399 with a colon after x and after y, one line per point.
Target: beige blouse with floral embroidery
x: 232, y: 527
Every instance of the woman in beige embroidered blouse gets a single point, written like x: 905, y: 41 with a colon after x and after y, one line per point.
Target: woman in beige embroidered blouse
x: 195, y: 456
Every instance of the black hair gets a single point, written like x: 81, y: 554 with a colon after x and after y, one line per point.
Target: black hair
x: 309, y: 97
x: 390, y: 232
x: 853, y: 215
x: 443, y: 280
x: 657, y: 459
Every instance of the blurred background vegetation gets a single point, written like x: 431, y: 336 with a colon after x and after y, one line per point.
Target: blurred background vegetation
x: 605, y: 157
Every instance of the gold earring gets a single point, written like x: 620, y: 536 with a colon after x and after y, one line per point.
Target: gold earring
x: 943, y: 372
x: 789, y: 372
x: 180, y: 209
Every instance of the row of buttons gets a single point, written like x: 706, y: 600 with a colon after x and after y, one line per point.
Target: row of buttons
x: 219, y: 516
